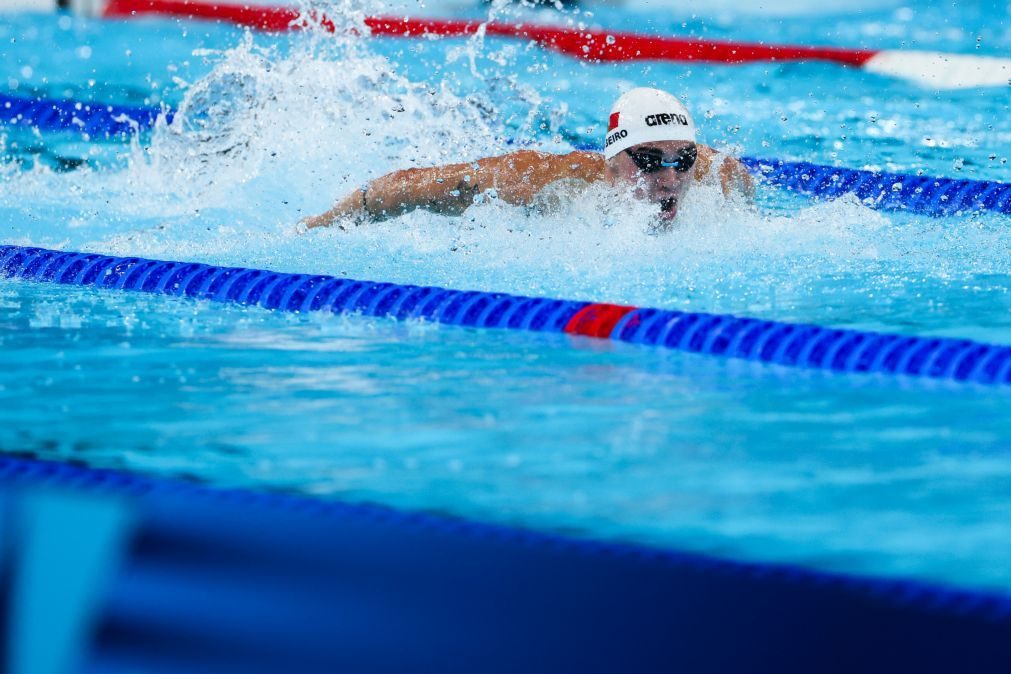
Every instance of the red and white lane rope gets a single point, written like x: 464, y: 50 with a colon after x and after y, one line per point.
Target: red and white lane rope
x: 935, y: 70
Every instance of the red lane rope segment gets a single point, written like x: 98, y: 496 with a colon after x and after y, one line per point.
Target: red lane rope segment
x: 597, y: 320
x: 591, y: 45
x: 274, y: 19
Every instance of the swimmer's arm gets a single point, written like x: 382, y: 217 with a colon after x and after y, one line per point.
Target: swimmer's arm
x: 516, y: 178
x: 735, y: 179
x: 443, y: 189
x: 351, y: 207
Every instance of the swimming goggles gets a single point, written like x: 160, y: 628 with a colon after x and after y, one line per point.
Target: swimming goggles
x: 651, y: 160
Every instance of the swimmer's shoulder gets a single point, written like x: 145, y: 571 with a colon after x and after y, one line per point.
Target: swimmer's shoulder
x: 567, y: 178
x: 732, y: 174
x: 708, y: 157
x: 549, y: 167
x: 518, y: 176
x: 577, y: 160
x: 582, y: 165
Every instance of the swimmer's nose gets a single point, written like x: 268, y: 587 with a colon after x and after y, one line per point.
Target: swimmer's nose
x: 667, y: 185
x: 669, y: 178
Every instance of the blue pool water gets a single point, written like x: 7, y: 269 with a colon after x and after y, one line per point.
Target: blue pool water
x: 868, y: 474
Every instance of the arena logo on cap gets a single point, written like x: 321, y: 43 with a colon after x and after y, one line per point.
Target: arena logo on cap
x: 666, y: 118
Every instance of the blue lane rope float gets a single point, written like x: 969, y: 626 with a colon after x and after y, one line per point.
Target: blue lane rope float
x: 96, y: 120
x: 794, y: 345
x: 231, y: 580
x: 924, y: 195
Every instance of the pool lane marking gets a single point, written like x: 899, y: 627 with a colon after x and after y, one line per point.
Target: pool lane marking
x: 773, y: 342
x: 924, y: 195
x: 597, y: 320
x: 932, y: 70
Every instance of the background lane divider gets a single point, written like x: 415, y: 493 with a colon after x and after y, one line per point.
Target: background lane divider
x: 789, y: 344
x: 924, y: 195
x: 93, y: 119
x: 933, y: 70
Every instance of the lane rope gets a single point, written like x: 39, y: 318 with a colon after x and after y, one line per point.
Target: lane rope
x: 787, y: 344
x: 91, y: 119
x: 924, y: 195
x: 934, y: 70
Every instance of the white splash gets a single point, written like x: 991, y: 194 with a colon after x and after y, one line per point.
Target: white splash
x: 272, y: 134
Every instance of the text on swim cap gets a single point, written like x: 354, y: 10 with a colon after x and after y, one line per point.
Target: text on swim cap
x: 666, y: 118
x: 616, y: 136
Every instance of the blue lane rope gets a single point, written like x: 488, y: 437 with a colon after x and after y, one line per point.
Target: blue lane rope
x: 96, y: 120
x: 924, y: 195
x: 795, y: 345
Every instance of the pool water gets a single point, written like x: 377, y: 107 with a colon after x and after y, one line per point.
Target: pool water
x: 856, y: 473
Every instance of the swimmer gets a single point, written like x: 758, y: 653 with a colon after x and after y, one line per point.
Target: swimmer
x: 649, y: 149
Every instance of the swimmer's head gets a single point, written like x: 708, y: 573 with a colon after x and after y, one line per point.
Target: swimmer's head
x: 650, y: 146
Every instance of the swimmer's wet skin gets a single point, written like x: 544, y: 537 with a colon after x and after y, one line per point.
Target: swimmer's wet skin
x: 649, y: 149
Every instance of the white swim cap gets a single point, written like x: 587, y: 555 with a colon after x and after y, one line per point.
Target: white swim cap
x: 646, y: 115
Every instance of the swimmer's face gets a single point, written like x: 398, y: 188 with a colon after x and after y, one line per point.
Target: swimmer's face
x: 659, y: 172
